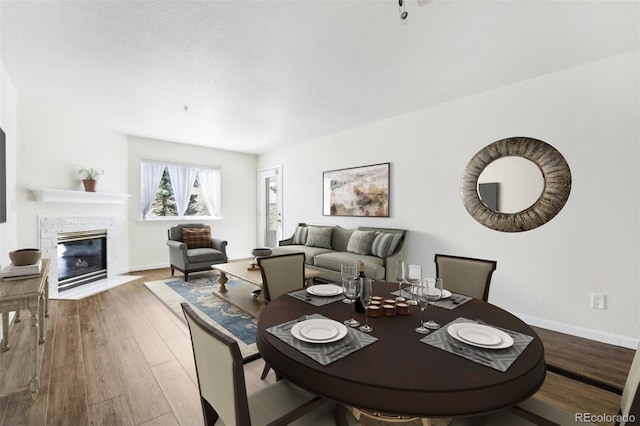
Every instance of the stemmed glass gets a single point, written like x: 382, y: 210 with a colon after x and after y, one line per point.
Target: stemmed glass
x: 351, y: 292
x: 365, y: 296
x: 433, y: 287
x: 413, y: 274
x: 400, y: 279
x: 420, y: 295
x: 349, y: 271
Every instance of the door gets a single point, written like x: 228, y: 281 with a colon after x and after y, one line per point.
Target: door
x: 269, y: 206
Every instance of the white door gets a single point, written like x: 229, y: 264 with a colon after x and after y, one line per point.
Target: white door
x: 269, y: 206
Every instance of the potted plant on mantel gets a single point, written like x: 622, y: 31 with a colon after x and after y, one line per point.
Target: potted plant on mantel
x: 89, y: 177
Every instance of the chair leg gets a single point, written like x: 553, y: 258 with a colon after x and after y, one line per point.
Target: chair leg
x: 173, y: 270
x: 186, y: 276
x: 265, y: 371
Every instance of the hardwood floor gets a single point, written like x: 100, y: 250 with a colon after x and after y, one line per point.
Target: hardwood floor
x: 122, y: 358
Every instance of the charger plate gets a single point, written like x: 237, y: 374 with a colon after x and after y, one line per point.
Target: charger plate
x: 480, y: 335
x: 319, y: 331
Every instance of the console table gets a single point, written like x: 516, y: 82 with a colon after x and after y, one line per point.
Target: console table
x: 20, y: 354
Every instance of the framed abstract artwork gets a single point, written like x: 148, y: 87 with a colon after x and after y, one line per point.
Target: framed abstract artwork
x: 357, y: 191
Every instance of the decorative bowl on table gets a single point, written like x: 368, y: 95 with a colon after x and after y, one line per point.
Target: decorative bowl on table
x: 23, y: 257
x: 260, y: 252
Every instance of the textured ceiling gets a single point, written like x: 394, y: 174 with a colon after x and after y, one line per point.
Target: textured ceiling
x: 256, y: 74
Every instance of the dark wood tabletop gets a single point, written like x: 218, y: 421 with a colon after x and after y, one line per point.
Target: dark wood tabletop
x: 398, y: 374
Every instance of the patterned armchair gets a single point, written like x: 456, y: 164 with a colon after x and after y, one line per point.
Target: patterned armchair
x: 192, y: 249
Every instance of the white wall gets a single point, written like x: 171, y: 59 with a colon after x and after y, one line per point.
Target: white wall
x: 51, y: 146
x: 589, y: 113
x: 8, y: 230
x: 238, y: 187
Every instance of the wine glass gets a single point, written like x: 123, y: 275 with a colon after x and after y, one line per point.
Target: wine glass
x: 366, y: 292
x: 351, y: 292
x: 413, y: 274
x: 433, y: 287
x: 400, y: 279
x: 420, y: 295
x: 349, y: 271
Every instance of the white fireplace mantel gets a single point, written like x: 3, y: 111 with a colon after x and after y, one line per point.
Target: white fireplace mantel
x: 66, y: 196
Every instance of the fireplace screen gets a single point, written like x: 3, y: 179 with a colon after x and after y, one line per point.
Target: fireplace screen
x: 82, y: 258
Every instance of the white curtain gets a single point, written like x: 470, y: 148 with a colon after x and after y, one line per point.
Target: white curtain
x: 182, y: 179
x: 210, y: 183
x: 151, y: 174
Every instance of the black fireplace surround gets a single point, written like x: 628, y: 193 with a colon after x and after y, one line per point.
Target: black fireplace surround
x: 82, y: 258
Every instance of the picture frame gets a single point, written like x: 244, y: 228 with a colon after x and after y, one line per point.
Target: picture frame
x: 356, y: 191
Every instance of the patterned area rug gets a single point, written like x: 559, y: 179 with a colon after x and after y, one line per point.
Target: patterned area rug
x: 220, y: 314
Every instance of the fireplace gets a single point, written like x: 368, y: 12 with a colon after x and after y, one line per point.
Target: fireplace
x: 82, y: 257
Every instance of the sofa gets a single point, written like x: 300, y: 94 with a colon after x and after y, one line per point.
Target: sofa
x: 327, y: 247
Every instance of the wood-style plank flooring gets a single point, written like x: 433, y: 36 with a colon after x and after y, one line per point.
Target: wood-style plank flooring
x: 122, y: 358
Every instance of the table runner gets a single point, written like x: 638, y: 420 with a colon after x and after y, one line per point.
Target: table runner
x: 323, y: 353
x: 305, y: 296
x: 451, y: 302
x: 498, y: 359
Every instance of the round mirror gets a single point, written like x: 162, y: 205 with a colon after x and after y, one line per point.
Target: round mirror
x: 556, y: 178
x: 510, y: 184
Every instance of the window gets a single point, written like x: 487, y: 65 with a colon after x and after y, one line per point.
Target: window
x: 172, y: 190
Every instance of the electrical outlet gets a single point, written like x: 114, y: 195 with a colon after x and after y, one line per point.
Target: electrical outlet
x: 597, y: 300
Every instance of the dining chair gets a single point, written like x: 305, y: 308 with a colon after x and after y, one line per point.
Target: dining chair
x: 223, y: 393
x: 281, y: 274
x: 536, y: 412
x: 465, y: 275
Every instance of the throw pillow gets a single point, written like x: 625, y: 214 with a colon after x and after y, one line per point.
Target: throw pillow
x: 300, y: 236
x: 196, y: 237
x: 319, y: 237
x: 360, y: 242
x: 385, y: 244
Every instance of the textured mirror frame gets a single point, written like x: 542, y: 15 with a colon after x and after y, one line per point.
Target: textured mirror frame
x: 555, y: 172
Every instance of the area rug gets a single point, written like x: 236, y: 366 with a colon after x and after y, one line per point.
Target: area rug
x: 198, y: 293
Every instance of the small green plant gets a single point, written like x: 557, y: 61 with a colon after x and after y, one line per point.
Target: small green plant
x: 90, y: 173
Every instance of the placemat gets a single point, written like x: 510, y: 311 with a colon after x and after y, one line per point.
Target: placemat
x: 498, y: 359
x: 450, y: 302
x: 305, y: 296
x: 323, y: 353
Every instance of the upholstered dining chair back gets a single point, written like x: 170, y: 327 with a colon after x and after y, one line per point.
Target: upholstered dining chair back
x: 281, y: 274
x: 465, y: 275
x: 220, y: 372
x: 223, y: 394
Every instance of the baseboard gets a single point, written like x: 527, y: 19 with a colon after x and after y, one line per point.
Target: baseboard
x: 148, y: 267
x: 586, y: 333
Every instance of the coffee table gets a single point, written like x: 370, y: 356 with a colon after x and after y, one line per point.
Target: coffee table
x: 240, y: 296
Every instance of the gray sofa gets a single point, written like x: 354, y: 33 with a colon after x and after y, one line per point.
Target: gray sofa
x: 326, y: 247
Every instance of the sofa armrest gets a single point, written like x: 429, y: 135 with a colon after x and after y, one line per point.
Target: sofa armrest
x: 399, y: 255
x: 287, y: 242
x: 177, y: 245
x: 221, y: 246
x: 177, y: 253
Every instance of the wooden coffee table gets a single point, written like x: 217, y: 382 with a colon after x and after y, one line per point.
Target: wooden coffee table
x: 240, y: 296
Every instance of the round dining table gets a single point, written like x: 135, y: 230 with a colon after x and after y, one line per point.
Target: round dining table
x: 398, y: 374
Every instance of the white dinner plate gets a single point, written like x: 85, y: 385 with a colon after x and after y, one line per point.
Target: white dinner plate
x: 480, y: 335
x: 324, y: 290
x: 445, y: 294
x: 319, y: 331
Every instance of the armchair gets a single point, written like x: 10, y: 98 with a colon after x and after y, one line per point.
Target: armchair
x: 192, y: 249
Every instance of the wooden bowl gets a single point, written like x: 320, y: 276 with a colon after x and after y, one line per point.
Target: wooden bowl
x: 22, y: 257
